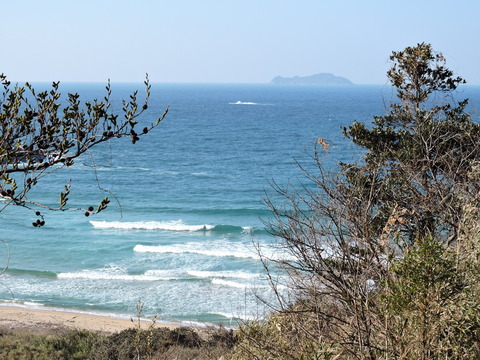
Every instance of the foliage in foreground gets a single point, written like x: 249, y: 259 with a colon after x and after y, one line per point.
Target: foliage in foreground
x: 41, y: 133
x: 284, y: 336
x: 160, y: 343
x: 384, y: 256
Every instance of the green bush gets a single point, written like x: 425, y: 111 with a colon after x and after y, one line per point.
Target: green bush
x: 161, y: 343
x: 432, y: 307
x: 283, y: 336
x: 68, y: 345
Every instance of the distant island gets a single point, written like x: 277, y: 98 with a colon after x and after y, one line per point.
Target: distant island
x: 317, y: 79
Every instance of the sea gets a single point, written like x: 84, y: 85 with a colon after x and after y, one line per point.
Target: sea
x: 187, y: 216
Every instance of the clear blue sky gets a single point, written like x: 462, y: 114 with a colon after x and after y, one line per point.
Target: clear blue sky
x: 239, y: 41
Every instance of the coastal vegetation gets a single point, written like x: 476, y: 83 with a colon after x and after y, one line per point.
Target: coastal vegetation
x: 384, y: 254
x: 160, y: 343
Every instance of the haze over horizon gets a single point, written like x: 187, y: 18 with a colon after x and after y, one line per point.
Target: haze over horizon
x: 215, y: 41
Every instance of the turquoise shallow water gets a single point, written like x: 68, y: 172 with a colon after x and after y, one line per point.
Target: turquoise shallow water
x: 190, y: 194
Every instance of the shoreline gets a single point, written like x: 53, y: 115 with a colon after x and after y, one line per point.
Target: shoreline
x: 25, y: 318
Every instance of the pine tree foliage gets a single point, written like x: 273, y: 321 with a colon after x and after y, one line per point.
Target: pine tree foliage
x: 420, y: 154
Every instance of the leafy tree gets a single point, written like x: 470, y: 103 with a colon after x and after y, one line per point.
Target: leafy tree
x: 420, y: 155
x: 41, y: 133
x: 383, y: 256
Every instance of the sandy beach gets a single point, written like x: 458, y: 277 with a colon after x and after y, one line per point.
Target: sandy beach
x: 14, y: 318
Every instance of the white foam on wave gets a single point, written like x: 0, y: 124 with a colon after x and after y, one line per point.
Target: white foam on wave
x: 229, y: 283
x: 149, y: 225
x: 106, y: 274
x: 195, y: 248
x: 220, y: 249
x: 242, y: 285
x: 229, y: 274
x: 167, y: 274
x: 22, y: 304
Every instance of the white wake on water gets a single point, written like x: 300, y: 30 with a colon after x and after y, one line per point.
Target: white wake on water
x: 243, y: 103
x: 248, y: 103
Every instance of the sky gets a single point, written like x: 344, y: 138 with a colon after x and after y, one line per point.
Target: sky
x: 229, y: 41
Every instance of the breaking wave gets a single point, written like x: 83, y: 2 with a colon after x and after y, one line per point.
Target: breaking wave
x: 230, y: 283
x: 113, y: 272
x: 167, y: 226
x: 230, y: 274
x: 196, y: 248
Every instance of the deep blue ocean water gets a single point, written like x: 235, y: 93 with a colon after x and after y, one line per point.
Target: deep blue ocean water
x: 190, y: 195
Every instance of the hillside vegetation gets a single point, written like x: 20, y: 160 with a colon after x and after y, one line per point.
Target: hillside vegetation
x: 384, y: 255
